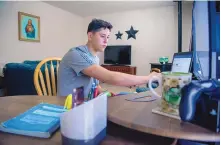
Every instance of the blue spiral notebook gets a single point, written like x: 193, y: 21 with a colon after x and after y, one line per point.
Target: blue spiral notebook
x: 39, y: 121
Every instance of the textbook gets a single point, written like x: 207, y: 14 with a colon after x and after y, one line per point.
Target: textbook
x: 39, y: 121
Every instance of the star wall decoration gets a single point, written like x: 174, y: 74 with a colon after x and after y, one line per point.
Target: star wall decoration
x: 131, y: 33
x: 119, y: 35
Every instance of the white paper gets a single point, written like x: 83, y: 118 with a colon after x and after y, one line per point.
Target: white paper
x: 85, y: 121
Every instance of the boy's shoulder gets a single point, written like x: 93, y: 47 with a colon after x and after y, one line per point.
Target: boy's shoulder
x: 79, y: 49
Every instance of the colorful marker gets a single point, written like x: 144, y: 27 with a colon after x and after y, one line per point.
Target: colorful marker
x: 95, y: 92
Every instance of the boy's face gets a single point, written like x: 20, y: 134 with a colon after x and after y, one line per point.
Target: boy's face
x: 99, y: 39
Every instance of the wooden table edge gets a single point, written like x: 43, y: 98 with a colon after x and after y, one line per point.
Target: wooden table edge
x: 214, y: 138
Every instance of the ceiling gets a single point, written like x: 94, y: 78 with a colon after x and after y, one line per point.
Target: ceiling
x: 90, y: 8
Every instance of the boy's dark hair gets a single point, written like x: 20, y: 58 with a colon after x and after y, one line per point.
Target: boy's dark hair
x: 96, y: 24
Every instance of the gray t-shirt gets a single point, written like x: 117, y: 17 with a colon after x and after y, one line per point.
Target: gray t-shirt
x: 70, y: 74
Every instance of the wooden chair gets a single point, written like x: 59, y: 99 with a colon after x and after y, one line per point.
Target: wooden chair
x: 49, y: 77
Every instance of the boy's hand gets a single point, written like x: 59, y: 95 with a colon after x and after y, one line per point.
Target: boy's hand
x: 159, y: 75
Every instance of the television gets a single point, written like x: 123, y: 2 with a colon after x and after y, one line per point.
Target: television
x: 117, y: 55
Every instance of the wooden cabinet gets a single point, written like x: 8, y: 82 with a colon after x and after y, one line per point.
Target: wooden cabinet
x: 124, y: 69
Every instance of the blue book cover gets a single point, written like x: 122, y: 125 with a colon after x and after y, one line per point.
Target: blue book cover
x: 39, y: 121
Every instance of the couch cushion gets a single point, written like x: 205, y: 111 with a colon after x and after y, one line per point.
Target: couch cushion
x: 32, y: 61
x: 36, y: 62
x: 19, y: 79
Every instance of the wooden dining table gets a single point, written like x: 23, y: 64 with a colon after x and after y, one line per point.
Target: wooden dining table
x: 129, y: 123
x: 139, y: 116
x: 12, y: 106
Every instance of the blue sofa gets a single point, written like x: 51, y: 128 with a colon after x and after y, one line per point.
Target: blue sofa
x: 18, y: 77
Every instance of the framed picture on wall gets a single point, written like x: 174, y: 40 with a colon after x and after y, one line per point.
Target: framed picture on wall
x: 28, y: 27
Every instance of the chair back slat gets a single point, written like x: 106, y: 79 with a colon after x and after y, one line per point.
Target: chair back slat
x: 57, y: 66
x: 48, y: 79
x: 45, y: 79
x: 53, y: 80
x: 42, y: 82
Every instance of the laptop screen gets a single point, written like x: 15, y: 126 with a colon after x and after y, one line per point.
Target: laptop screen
x: 182, y: 62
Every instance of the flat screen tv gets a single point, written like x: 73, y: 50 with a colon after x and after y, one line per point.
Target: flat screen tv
x: 117, y: 55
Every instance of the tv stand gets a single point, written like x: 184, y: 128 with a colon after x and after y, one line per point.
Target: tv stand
x: 121, y: 68
x: 118, y: 65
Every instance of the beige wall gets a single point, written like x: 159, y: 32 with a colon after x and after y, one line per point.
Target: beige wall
x: 60, y: 30
x: 156, y: 37
x: 186, y: 25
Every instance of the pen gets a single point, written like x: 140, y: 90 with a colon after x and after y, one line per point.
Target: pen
x: 89, y: 95
x: 68, y: 102
x: 92, y: 90
x: 96, y: 88
x: 95, y: 92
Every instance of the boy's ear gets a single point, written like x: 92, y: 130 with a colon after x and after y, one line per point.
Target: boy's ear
x: 89, y: 34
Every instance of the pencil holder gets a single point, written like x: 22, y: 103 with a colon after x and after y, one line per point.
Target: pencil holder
x: 86, y: 123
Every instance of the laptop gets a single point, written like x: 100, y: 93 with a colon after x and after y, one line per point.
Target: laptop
x: 182, y: 62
